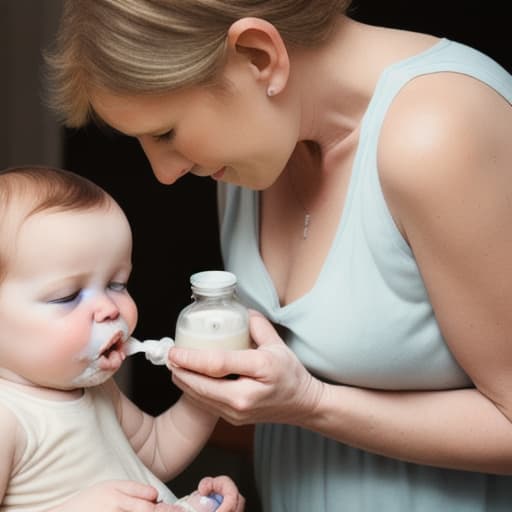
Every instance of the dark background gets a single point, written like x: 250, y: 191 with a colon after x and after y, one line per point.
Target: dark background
x: 175, y: 228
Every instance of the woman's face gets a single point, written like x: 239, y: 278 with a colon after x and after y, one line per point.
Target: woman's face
x: 238, y: 135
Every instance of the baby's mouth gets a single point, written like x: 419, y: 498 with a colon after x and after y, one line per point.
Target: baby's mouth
x: 112, y: 354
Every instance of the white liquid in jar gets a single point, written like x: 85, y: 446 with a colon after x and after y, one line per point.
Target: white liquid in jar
x: 238, y: 341
x: 213, y: 328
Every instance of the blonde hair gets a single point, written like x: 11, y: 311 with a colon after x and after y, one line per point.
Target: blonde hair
x: 38, y: 189
x: 154, y: 46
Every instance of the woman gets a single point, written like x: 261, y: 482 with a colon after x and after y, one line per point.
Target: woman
x: 364, y: 176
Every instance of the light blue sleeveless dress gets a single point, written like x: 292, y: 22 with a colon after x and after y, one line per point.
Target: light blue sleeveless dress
x: 366, y: 322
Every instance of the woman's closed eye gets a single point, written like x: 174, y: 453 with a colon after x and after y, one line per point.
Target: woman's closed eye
x: 164, y: 137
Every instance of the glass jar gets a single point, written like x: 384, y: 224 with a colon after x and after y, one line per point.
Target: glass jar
x: 215, y: 319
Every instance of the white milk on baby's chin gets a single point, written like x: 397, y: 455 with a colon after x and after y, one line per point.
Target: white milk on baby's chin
x: 215, y: 319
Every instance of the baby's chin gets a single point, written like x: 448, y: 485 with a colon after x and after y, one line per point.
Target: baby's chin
x: 92, y: 376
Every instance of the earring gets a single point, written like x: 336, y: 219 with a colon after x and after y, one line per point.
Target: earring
x: 271, y: 91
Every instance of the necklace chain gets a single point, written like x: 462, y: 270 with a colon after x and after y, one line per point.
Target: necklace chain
x: 307, y: 214
x: 305, y: 232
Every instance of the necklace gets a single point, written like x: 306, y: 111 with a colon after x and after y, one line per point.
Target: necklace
x: 305, y: 232
x: 307, y: 215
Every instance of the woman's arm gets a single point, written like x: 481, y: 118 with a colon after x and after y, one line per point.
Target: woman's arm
x: 457, y: 429
x: 446, y: 169
x: 445, y: 160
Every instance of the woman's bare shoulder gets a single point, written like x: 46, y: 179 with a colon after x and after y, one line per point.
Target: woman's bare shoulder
x: 442, y: 131
x: 445, y: 162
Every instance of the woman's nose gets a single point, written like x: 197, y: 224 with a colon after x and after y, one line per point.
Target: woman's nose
x: 167, y: 164
x: 105, y: 308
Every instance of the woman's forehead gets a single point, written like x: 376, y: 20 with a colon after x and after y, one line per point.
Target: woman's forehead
x: 134, y: 115
x: 138, y: 115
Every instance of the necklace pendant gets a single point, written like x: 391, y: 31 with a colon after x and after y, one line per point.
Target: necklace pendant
x: 307, y: 218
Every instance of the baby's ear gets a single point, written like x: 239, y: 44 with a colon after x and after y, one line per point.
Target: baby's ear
x: 261, y: 44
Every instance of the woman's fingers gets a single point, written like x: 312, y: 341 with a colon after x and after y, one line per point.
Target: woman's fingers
x: 212, y: 362
x: 234, y: 400
x: 262, y: 331
x: 221, y: 363
x: 271, y: 383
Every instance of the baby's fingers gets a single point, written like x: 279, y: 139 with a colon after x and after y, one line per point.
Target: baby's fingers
x: 232, y: 500
x: 136, y: 490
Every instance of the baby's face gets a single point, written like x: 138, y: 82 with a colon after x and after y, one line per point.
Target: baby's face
x: 64, y: 308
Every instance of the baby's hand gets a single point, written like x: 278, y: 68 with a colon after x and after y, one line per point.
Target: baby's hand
x: 214, y: 494
x: 232, y: 500
x: 113, y: 496
x: 196, y: 502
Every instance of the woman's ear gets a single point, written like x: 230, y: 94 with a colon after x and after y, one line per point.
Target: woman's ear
x: 263, y: 47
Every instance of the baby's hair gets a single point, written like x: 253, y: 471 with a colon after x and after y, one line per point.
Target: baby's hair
x: 50, y: 188
x: 29, y: 190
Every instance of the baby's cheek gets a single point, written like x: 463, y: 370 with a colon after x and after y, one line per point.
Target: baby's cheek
x: 130, y: 314
x: 77, y: 336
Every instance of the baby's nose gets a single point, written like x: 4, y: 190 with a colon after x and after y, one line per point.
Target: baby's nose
x: 105, y: 308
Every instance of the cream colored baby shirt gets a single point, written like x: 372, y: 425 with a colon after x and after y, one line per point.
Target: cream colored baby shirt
x: 70, y: 446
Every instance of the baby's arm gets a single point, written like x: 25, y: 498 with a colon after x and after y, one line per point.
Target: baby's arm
x: 168, y: 443
x: 11, y: 444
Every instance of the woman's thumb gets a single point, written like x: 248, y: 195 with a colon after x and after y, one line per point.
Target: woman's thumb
x: 262, y: 331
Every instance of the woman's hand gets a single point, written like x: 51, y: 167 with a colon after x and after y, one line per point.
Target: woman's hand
x: 273, y: 386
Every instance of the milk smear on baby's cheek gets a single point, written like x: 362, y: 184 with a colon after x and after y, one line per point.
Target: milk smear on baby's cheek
x: 101, y: 333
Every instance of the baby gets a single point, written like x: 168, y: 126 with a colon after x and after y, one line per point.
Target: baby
x: 71, y: 441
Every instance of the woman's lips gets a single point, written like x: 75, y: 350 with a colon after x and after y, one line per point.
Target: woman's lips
x: 218, y: 175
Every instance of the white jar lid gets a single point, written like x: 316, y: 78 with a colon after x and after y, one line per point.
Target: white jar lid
x: 210, y: 280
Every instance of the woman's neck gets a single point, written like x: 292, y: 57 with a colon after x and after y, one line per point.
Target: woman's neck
x: 333, y: 84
